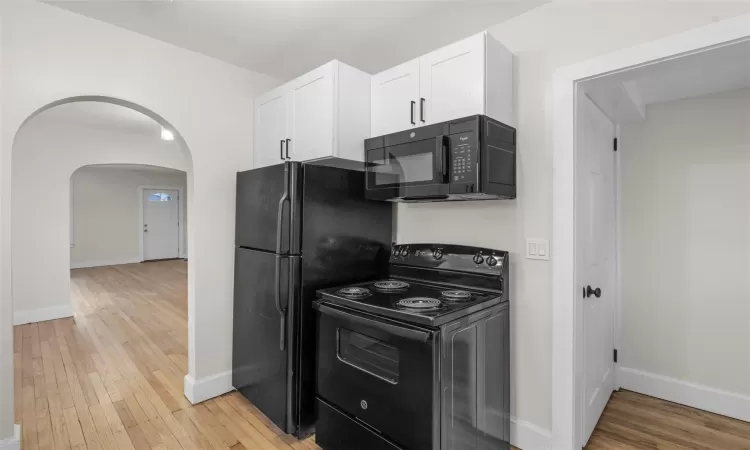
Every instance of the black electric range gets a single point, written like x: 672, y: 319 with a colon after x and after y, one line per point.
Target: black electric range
x: 411, y: 300
x: 401, y: 359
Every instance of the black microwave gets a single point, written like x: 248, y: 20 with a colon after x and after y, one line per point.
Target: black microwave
x: 473, y: 158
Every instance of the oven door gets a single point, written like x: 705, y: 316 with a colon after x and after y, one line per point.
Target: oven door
x: 417, y: 169
x: 382, y: 372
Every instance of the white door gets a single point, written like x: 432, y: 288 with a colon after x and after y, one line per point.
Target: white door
x: 270, y: 128
x: 161, y: 224
x: 310, y: 103
x: 451, y: 80
x: 395, y: 99
x: 595, y: 248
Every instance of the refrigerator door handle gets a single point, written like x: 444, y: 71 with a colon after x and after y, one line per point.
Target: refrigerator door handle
x: 293, y: 305
x: 280, y: 212
x: 282, y: 311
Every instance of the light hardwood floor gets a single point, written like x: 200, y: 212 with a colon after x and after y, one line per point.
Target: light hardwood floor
x: 113, y: 379
x: 633, y: 421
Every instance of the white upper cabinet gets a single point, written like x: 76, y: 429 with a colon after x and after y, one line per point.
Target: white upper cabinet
x: 451, y: 81
x: 310, y: 105
x: 324, y: 113
x: 395, y: 93
x: 270, y: 128
x: 472, y: 76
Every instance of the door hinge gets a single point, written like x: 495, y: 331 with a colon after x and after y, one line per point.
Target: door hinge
x: 615, y: 144
x: 615, y: 355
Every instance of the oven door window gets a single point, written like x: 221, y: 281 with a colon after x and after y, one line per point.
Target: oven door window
x: 368, y: 355
x: 413, y: 163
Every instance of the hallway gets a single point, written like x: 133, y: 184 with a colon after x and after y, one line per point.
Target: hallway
x: 113, y: 377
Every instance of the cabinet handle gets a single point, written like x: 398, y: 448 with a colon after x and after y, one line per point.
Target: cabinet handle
x: 287, y: 148
x: 413, y: 103
x: 282, y: 150
x: 421, y: 109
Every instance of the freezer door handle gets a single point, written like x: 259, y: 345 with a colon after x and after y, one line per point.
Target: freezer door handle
x: 280, y: 212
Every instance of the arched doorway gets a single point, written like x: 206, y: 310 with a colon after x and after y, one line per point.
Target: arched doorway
x: 53, y: 143
x: 45, y: 154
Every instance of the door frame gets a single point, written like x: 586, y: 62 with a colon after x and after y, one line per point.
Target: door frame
x: 566, y: 302
x: 181, y: 202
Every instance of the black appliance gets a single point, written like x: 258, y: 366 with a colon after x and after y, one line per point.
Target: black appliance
x: 299, y: 228
x: 473, y: 158
x: 419, y: 360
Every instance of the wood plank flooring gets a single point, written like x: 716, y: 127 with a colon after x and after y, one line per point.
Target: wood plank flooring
x: 634, y: 421
x: 113, y: 379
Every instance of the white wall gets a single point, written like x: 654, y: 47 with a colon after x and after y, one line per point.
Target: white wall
x: 686, y: 241
x: 6, y: 308
x: 46, y: 153
x: 106, y: 213
x: 50, y: 54
x: 544, y: 40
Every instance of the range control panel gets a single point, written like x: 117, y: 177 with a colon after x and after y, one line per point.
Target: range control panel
x: 447, y: 256
x: 463, y: 158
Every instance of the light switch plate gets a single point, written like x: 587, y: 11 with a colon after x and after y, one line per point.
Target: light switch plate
x: 537, y: 249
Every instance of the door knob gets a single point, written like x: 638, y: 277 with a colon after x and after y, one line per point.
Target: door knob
x: 589, y: 291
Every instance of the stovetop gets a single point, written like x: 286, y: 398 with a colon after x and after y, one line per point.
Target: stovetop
x: 412, y: 300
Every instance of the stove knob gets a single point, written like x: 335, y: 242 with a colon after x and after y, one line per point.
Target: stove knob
x: 478, y: 259
x: 491, y: 261
x: 405, y: 251
x: 396, y: 250
x: 437, y: 253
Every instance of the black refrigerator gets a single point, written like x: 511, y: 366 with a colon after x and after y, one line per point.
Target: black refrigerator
x: 299, y: 228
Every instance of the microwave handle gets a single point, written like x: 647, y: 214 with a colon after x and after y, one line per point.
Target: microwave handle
x: 441, y: 142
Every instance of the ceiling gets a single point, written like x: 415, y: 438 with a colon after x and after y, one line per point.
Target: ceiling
x: 285, y: 39
x: 721, y: 69
x: 102, y: 116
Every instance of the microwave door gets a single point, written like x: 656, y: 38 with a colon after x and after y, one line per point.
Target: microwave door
x: 409, y: 168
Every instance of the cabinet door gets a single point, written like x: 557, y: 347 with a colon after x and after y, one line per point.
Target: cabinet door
x: 393, y: 92
x: 451, y: 80
x: 310, y: 103
x: 270, y: 128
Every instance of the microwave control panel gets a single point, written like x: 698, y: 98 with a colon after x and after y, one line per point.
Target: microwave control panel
x: 463, y: 158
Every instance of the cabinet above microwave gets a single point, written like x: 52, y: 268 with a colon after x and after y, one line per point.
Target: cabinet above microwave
x: 472, y: 76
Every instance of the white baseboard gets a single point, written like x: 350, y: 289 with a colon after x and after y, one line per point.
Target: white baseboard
x: 717, y: 401
x: 42, y: 314
x: 527, y: 436
x: 13, y: 443
x: 84, y: 264
x: 198, y: 391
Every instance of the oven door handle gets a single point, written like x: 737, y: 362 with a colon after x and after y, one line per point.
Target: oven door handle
x: 406, y: 333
